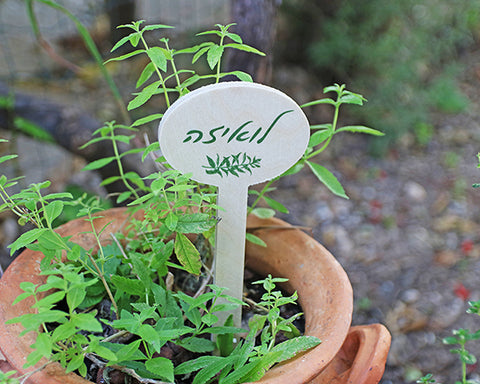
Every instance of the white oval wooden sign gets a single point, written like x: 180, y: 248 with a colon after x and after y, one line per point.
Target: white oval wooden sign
x: 234, y: 132
x: 233, y: 135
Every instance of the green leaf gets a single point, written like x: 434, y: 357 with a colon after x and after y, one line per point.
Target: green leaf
x: 209, y: 319
x: 148, y: 333
x: 43, y: 344
x: 263, y: 213
x: 212, y: 369
x: 7, y: 157
x: 360, y: 129
x: 450, y: 340
x: 187, y: 254
x: 152, y: 27
x: 104, y: 352
x: 214, y: 55
x: 30, y: 128
x: 130, y: 286
x: 75, y: 363
x: 125, y: 352
x: 124, y: 196
x: 143, y: 96
x: 197, y: 344
x: 274, y: 204
x: 171, y: 221
x: 52, y: 241
x: 260, y: 366
x: 242, y: 76
x: 75, y: 296
x: 195, y: 223
x: 318, y: 137
x: 50, y: 300
x: 292, y: 347
x: 63, y: 331
x: 180, y: 187
x: 320, y: 101
x: 161, y: 366
x: 244, y: 47
x: 235, y: 37
x: 294, y: 169
x: 53, y: 210
x: 141, y: 270
x: 352, y: 98
x: 26, y: 239
x: 328, y: 179
x: 225, y: 340
x: 97, y: 164
x: 147, y: 72
x: 201, y: 52
x: 157, y: 55
x: 255, y: 239
x: 110, y: 180
x: 126, y: 56
x: 122, y: 41
x: 196, y: 364
x: 147, y: 119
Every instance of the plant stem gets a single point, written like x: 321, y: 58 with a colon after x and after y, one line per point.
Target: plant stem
x: 333, y: 128
x: 174, y: 67
x: 219, y: 60
x: 464, y: 366
x: 260, y: 195
x: 119, y: 162
x: 157, y: 70
x: 99, y: 271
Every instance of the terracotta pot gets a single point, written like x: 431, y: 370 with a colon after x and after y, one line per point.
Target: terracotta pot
x: 361, y: 360
x: 325, y: 295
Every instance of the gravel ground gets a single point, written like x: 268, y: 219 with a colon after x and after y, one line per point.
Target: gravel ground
x: 408, y: 237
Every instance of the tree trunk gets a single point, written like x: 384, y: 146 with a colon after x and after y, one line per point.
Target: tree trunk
x: 256, y: 24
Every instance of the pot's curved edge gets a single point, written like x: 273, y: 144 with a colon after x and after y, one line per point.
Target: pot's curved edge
x: 362, y: 358
x: 328, y: 316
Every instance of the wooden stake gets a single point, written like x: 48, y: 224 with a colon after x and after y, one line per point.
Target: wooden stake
x: 233, y: 135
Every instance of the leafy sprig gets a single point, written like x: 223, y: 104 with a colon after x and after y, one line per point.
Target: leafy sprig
x: 319, y: 141
x: 232, y: 165
x: 162, y: 61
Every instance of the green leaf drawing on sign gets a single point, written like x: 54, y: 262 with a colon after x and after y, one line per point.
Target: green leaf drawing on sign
x: 231, y: 165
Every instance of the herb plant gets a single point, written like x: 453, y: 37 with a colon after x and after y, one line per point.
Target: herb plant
x: 129, y: 290
x: 459, y: 339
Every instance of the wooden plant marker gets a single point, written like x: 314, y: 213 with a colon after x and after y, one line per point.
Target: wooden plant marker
x: 233, y: 135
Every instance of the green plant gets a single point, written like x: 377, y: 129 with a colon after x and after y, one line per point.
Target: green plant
x: 6, y: 378
x: 459, y: 338
x: 387, y: 51
x: 128, y: 286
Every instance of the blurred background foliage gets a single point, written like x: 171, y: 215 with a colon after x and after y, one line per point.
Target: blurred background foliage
x: 402, y: 55
x: 405, y: 56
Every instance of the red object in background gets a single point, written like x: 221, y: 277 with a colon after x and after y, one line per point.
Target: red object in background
x: 467, y: 246
x: 382, y: 174
x: 471, y: 368
x: 461, y: 291
x: 375, y: 215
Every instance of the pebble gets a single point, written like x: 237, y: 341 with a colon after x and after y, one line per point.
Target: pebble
x: 415, y: 191
x: 410, y: 296
x: 323, y: 213
x: 444, y: 317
